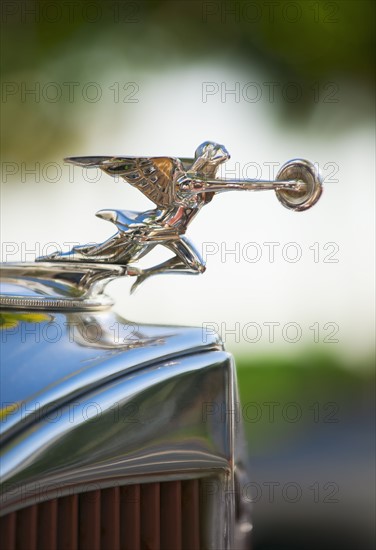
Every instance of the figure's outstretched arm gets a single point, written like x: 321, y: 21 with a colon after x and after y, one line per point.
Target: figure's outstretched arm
x: 199, y: 185
x: 298, y: 185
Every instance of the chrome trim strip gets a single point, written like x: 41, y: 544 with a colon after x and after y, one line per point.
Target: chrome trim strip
x: 52, y: 304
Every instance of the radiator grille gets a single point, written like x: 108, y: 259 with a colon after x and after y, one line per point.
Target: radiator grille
x: 149, y: 516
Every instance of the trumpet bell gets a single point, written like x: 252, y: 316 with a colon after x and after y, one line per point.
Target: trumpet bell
x: 309, y: 192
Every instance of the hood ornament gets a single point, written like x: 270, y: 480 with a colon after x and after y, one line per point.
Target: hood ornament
x: 179, y: 188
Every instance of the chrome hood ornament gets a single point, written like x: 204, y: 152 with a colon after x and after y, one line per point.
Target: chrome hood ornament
x: 179, y: 188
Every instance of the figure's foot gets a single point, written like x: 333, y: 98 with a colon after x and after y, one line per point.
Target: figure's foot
x: 140, y: 279
x: 140, y: 275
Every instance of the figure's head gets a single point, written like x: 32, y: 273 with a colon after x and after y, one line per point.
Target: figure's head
x: 208, y: 157
x: 212, y: 153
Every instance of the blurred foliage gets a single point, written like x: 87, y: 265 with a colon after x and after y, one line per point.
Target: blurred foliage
x: 302, y: 38
x: 302, y: 41
x: 286, y: 400
x: 12, y: 320
x: 8, y: 409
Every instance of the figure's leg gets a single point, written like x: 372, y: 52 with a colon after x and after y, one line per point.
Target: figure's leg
x: 89, y: 252
x: 103, y: 250
x: 186, y: 260
x: 119, y: 249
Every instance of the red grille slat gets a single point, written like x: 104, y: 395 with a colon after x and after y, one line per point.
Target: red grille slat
x: 47, y: 525
x: 90, y: 520
x: 171, y: 532
x: 190, y: 512
x: 8, y: 531
x: 149, y: 516
x: 26, y: 530
x: 67, y: 529
x: 130, y: 525
x: 110, y: 518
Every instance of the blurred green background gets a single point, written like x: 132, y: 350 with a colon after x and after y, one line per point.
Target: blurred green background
x: 301, y: 41
x: 58, y: 56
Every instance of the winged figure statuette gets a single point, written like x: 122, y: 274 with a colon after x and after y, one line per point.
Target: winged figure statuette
x: 179, y: 188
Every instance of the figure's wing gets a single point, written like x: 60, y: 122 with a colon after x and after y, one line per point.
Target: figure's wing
x: 154, y: 176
